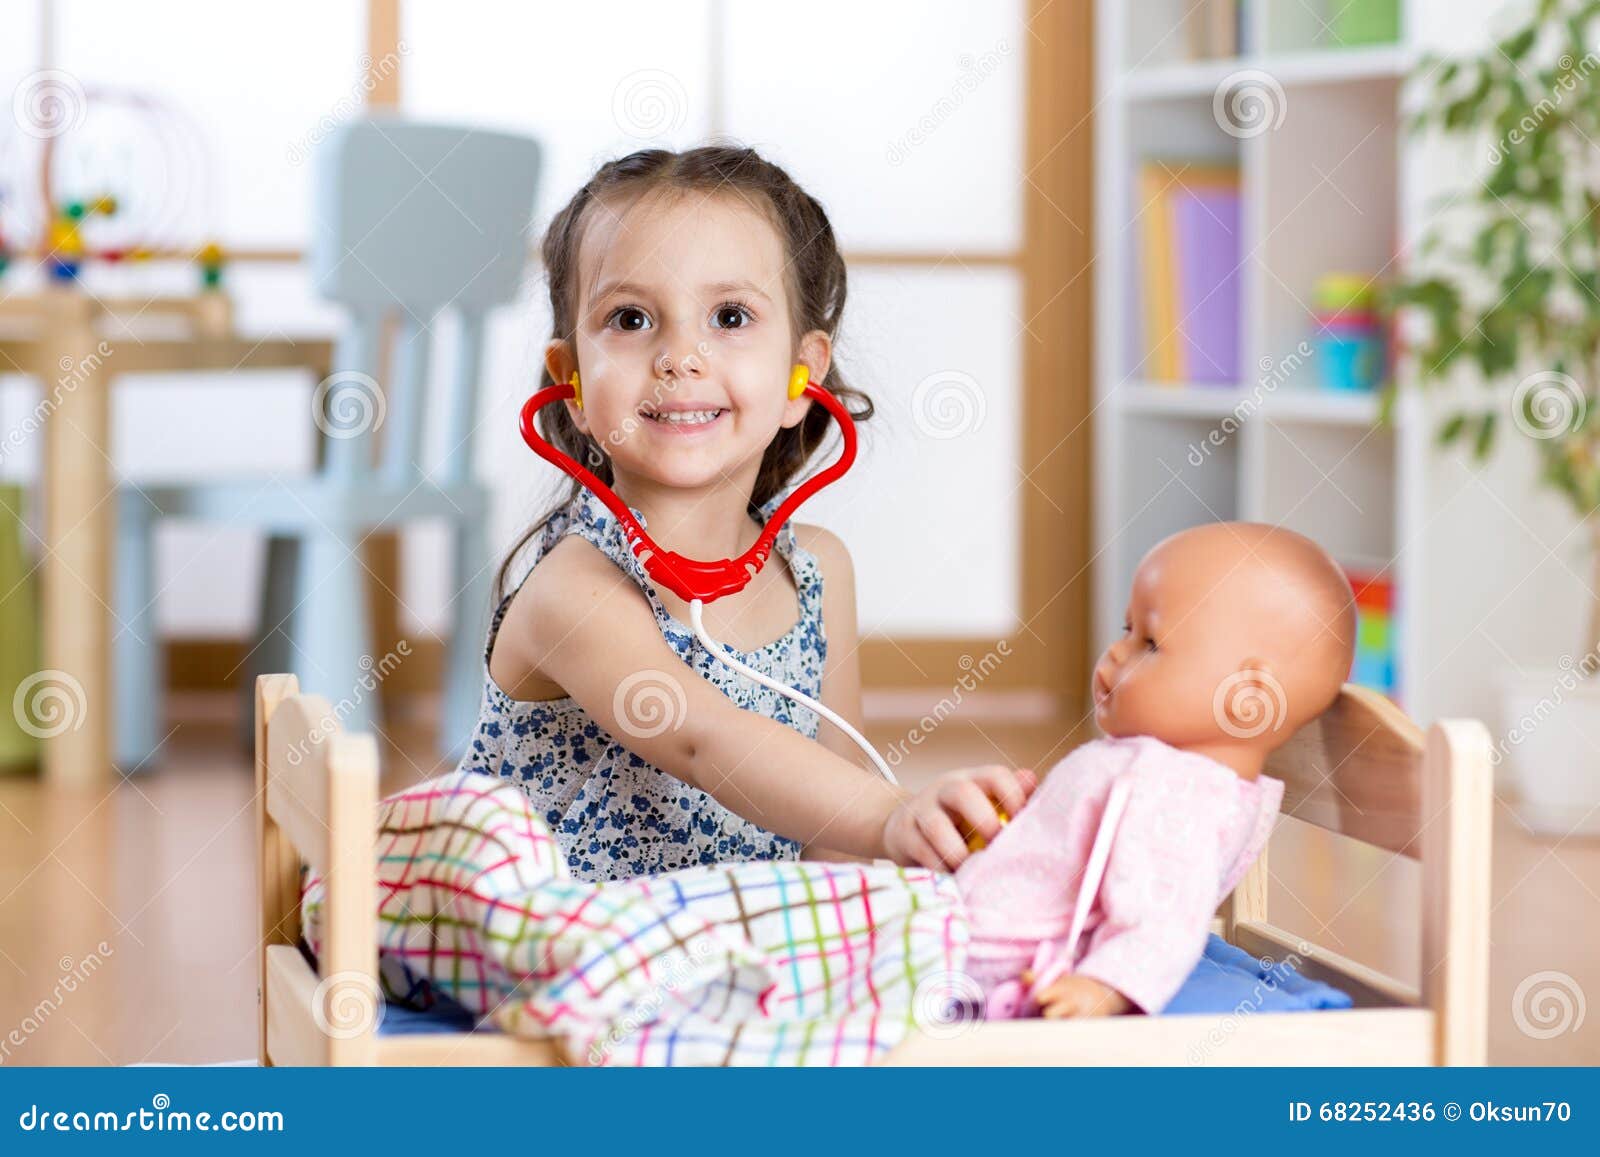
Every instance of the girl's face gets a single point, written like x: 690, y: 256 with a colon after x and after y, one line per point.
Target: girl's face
x: 682, y: 340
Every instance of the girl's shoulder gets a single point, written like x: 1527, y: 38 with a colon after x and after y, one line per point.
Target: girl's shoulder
x: 833, y: 557
x: 573, y: 588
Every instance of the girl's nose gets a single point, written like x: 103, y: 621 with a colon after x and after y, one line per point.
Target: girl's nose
x: 686, y: 366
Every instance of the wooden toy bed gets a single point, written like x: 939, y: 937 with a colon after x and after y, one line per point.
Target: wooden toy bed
x: 1362, y: 770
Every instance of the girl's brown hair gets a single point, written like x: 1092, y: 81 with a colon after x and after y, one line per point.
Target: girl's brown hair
x: 815, y: 276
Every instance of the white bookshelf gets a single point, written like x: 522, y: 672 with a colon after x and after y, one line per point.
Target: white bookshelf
x: 1325, y: 191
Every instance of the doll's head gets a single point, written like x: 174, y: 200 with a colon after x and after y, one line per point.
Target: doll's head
x: 692, y: 284
x: 1237, y: 633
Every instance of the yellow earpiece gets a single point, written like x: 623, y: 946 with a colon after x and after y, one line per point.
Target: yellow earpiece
x: 798, y: 378
x: 577, y: 389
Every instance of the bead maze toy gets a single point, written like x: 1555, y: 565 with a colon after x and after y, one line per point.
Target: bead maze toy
x: 126, y: 181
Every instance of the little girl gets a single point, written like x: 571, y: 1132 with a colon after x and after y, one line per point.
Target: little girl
x: 685, y: 290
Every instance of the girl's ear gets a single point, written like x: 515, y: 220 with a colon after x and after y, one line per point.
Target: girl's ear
x: 815, y: 352
x: 561, y: 363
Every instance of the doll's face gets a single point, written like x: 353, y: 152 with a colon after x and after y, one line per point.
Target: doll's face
x: 1139, y: 682
x: 1192, y: 649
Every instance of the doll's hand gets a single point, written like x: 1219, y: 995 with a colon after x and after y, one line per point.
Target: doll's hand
x: 1073, y: 995
x: 923, y: 830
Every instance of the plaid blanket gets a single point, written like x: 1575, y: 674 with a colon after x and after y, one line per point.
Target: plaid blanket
x: 738, y: 964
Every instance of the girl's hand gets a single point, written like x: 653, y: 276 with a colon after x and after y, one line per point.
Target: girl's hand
x: 923, y: 830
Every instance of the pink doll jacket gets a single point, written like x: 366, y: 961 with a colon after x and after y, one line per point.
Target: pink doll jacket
x: 1191, y: 829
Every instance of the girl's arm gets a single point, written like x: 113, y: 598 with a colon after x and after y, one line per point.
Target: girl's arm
x: 594, y: 635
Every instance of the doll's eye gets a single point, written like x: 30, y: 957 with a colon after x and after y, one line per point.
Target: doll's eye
x: 629, y: 319
x: 1150, y: 644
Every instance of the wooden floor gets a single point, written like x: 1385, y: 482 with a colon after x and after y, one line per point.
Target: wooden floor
x: 126, y: 915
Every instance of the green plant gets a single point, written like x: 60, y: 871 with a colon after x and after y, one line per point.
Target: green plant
x: 1507, y: 273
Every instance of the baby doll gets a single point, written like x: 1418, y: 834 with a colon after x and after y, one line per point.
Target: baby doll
x: 1236, y: 635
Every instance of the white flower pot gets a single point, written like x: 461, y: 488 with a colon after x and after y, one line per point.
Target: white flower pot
x: 1547, y: 749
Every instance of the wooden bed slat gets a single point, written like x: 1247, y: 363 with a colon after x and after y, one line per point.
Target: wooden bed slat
x: 292, y: 1033
x: 1373, y: 1036
x: 1357, y: 770
x: 298, y: 746
x: 458, y: 1049
x: 1368, y: 988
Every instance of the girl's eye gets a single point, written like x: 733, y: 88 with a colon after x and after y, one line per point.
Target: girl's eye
x: 1149, y: 643
x: 629, y: 319
x: 731, y: 315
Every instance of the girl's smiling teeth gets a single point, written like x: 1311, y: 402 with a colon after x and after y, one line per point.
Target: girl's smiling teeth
x: 683, y: 417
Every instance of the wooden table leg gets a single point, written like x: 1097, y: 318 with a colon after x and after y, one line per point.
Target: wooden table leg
x: 79, y: 522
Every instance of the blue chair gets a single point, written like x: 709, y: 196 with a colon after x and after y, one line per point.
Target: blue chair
x: 410, y: 221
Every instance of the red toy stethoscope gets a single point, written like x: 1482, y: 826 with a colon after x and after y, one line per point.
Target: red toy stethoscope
x: 696, y: 581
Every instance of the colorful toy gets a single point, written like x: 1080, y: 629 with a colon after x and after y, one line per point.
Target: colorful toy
x: 65, y: 250
x: 210, y: 261
x: 156, y: 157
x: 1349, y: 339
x: 1376, y: 631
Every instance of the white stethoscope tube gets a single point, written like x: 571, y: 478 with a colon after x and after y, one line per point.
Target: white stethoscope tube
x: 716, y: 648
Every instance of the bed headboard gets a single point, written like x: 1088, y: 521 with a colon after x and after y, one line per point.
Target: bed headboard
x: 1364, y: 770
x: 317, y: 793
x: 1357, y: 770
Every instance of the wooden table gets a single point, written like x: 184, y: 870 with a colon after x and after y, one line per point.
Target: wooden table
x: 76, y: 345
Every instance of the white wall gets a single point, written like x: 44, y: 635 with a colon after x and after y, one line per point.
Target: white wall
x: 1506, y: 567
x: 902, y: 117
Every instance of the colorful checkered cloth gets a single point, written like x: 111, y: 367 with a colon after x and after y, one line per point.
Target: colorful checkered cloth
x: 770, y: 963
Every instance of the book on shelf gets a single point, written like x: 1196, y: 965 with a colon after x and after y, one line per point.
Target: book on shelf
x: 1190, y: 244
x: 1216, y: 29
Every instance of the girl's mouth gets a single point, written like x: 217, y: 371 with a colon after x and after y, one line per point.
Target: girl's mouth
x: 679, y: 421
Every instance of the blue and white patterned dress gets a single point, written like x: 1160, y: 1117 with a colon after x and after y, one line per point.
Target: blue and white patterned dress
x: 614, y: 814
